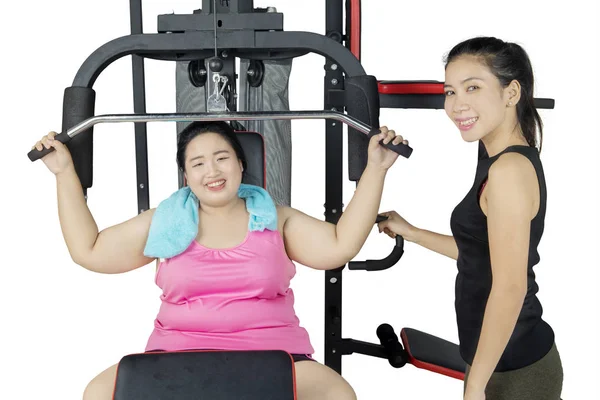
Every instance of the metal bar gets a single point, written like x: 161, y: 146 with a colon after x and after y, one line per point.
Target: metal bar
x: 177, y: 45
x: 334, y: 183
x: 198, y: 22
x: 334, y: 18
x: 435, y: 101
x: 139, y: 107
x: 232, y: 116
x: 350, y: 346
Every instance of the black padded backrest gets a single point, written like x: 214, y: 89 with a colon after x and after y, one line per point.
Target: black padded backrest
x: 254, y: 149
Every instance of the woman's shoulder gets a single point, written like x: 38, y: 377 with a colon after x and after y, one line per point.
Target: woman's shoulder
x: 283, y: 213
x: 513, y: 164
x: 515, y: 173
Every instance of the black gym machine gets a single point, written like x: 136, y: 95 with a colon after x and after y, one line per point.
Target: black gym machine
x: 209, y: 40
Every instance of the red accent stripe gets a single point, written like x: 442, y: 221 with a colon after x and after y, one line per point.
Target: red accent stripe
x: 411, y: 88
x: 428, y: 366
x: 294, y: 376
x: 355, y: 28
x: 481, y: 189
x: 115, y: 383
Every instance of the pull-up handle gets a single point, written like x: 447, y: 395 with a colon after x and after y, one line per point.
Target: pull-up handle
x: 402, y: 149
x: 380, y: 265
x: 36, y: 154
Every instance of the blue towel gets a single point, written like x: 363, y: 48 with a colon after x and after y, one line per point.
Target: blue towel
x: 175, y: 221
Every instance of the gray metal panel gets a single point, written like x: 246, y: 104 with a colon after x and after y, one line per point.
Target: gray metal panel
x: 188, y: 98
x: 272, y: 95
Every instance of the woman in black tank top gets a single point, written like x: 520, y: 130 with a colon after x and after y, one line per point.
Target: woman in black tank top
x: 509, y: 349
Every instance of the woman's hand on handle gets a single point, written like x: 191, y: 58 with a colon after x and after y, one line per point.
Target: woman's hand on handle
x: 395, y: 225
x: 59, y: 160
x: 380, y: 156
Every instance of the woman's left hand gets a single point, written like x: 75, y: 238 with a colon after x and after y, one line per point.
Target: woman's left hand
x: 380, y: 156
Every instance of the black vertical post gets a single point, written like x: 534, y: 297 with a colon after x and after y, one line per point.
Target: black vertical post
x: 139, y: 107
x: 334, y: 80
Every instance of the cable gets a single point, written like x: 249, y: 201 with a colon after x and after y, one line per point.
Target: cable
x: 215, y: 23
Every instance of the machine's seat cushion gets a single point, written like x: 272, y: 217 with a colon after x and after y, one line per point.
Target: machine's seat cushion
x: 206, y: 375
x: 433, y: 353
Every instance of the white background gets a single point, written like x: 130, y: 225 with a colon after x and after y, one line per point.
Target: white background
x: 61, y: 325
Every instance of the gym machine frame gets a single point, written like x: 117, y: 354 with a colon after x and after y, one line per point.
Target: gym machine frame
x: 257, y: 33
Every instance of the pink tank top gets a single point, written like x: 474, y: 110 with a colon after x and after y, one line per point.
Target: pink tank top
x: 229, y: 299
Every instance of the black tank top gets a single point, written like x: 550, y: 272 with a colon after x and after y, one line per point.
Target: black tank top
x: 532, y: 337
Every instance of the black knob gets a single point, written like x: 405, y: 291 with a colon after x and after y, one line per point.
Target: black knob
x: 215, y: 64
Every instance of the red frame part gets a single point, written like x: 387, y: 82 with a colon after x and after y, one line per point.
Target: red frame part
x: 390, y: 87
x: 428, y: 366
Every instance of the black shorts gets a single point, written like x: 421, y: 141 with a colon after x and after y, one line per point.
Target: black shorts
x: 295, y: 357
x: 302, y: 357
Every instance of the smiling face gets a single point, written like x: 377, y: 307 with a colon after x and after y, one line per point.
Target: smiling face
x: 474, y: 99
x: 212, y: 170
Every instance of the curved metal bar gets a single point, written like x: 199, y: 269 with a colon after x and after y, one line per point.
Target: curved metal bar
x: 230, y: 116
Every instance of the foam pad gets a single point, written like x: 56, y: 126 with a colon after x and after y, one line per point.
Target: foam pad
x: 78, y: 105
x: 362, y: 102
x: 433, y: 353
x: 254, y: 149
x: 206, y: 375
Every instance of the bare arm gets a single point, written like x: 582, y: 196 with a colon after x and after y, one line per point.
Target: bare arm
x: 114, y: 250
x: 323, y: 245
x: 510, y: 200
x: 396, y: 225
x: 442, y: 244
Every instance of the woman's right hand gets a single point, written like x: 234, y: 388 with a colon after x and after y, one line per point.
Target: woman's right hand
x: 396, y: 225
x: 60, y: 159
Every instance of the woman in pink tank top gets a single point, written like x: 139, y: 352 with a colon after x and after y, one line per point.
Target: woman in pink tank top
x: 230, y: 288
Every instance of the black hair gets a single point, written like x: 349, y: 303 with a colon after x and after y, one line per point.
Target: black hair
x: 199, y: 127
x: 508, y: 62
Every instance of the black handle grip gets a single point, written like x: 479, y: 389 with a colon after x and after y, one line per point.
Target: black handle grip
x: 380, y: 265
x: 387, y: 337
x: 35, y: 154
x: 403, y: 149
x: 380, y: 218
